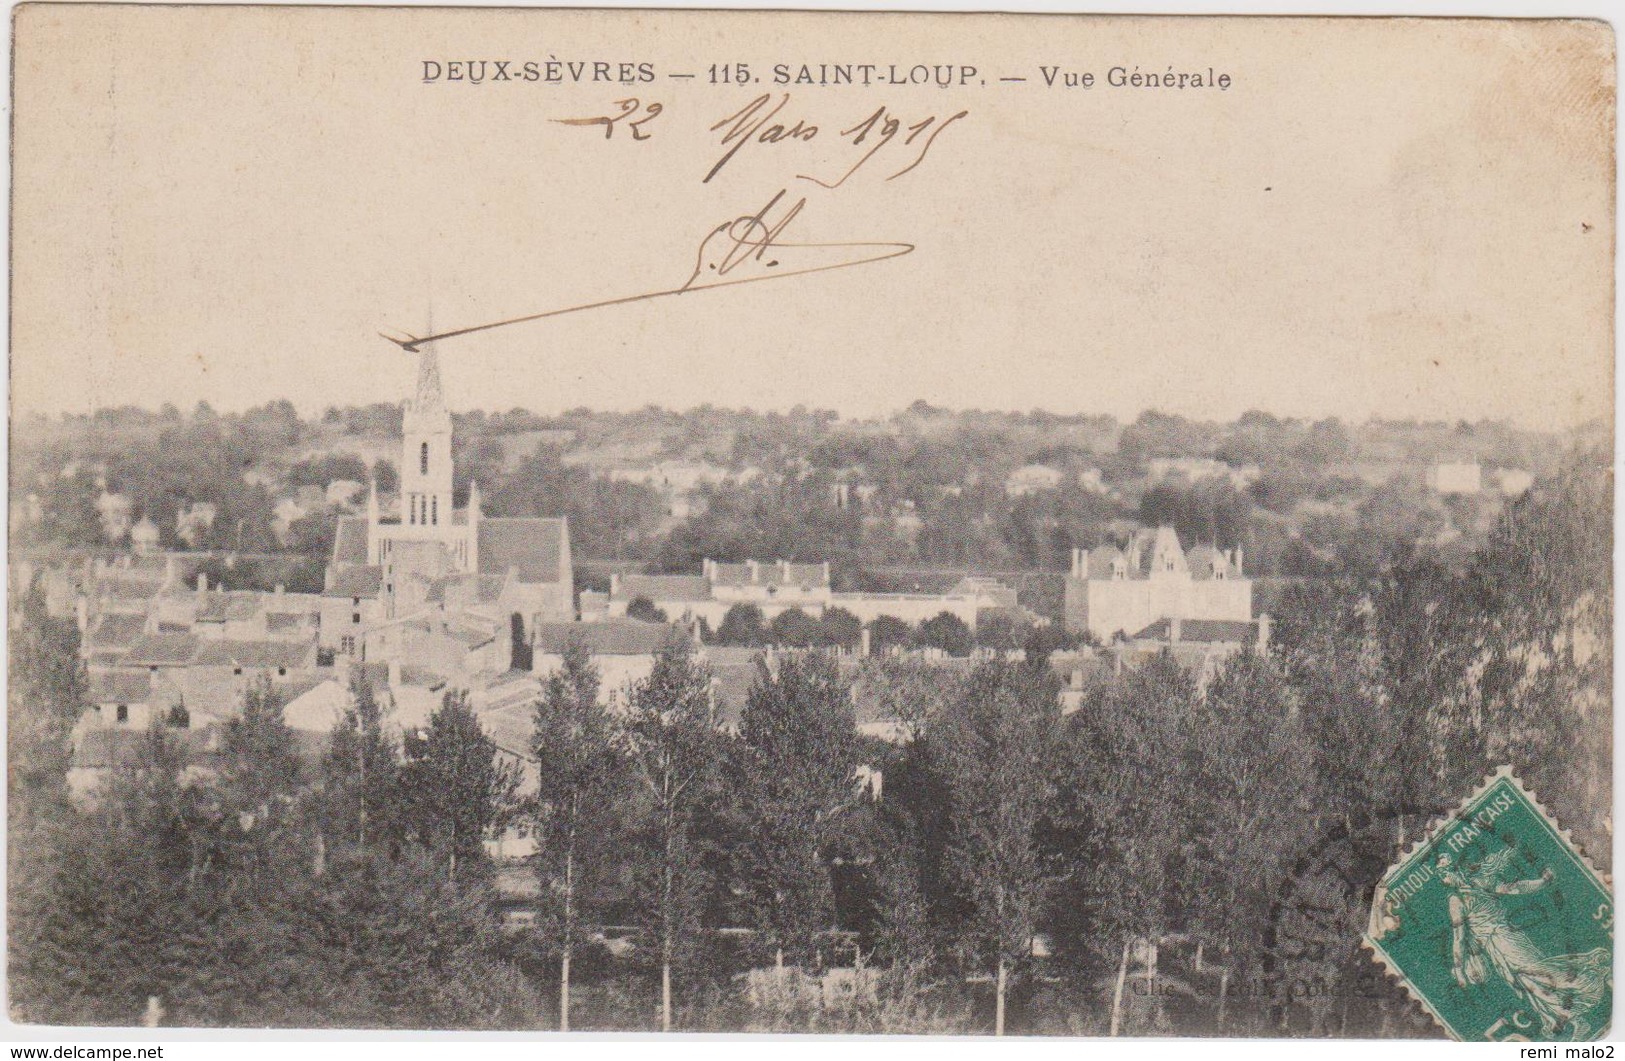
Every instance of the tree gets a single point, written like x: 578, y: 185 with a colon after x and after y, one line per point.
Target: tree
x: 1539, y: 610
x: 361, y: 773
x: 839, y: 628
x: 792, y: 628
x: 410, y: 948
x: 260, y: 773
x: 47, y: 695
x: 887, y: 631
x: 1328, y: 647
x: 68, y: 513
x: 1209, y: 511
x: 1243, y: 749
x: 642, y: 608
x: 998, y: 631
x: 80, y: 951
x: 575, y: 741
x: 743, y: 625
x: 798, y: 754
x: 385, y: 476
x: 314, y: 534
x: 905, y: 690
x: 671, y: 745
x: 1118, y: 820
x: 997, y: 741
x: 456, y: 786
x: 947, y: 632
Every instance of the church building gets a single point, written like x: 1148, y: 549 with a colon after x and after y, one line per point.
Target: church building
x: 416, y: 559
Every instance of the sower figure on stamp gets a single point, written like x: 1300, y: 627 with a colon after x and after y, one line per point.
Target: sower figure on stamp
x: 1483, y: 938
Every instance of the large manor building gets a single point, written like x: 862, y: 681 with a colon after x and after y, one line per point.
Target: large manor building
x: 1151, y: 579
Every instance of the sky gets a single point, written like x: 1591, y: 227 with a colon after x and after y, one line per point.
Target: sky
x: 1391, y: 218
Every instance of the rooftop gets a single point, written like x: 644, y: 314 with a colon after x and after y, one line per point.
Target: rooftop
x: 350, y: 541
x: 117, y: 631
x: 120, y: 687
x: 662, y: 587
x: 1216, y: 631
x: 614, y: 637
x: 535, y: 546
x: 162, y: 650
x: 356, y: 582
x: 288, y: 654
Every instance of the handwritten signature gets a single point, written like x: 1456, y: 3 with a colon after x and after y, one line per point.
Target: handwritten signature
x: 745, y: 250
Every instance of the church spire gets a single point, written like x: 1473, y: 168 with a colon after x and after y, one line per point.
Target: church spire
x: 426, y: 411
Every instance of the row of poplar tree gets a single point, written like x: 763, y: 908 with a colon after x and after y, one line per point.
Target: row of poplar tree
x: 1002, y: 865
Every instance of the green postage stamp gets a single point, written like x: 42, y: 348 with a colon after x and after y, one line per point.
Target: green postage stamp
x: 1498, y: 925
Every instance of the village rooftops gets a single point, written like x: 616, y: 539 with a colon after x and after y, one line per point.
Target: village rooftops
x: 120, y: 687
x: 612, y: 637
x: 162, y: 650
x: 260, y: 654
x: 660, y: 587
x: 116, y: 632
x: 534, y: 547
x: 229, y: 607
x: 364, y: 582
x: 466, y: 588
x: 291, y: 603
x: 470, y: 634
x: 1212, y: 631
x: 285, y: 621
x: 350, y: 542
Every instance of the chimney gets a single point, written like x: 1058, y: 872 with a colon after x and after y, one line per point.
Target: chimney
x: 755, y: 570
x: 708, y: 568
x: 1265, y: 624
x: 614, y: 584
x: 280, y: 589
x: 1238, y: 559
x: 202, y: 583
x: 1080, y: 563
x: 81, y: 612
x: 863, y: 644
x: 1175, y: 629
x: 826, y: 572
x: 784, y: 571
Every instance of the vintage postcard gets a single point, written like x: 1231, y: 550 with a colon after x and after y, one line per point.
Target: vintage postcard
x: 699, y: 521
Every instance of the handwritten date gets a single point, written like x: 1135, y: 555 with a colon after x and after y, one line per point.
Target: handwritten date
x: 628, y: 107
x: 758, y: 122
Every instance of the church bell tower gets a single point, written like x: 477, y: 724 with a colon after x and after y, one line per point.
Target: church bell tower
x: 426, y: 470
